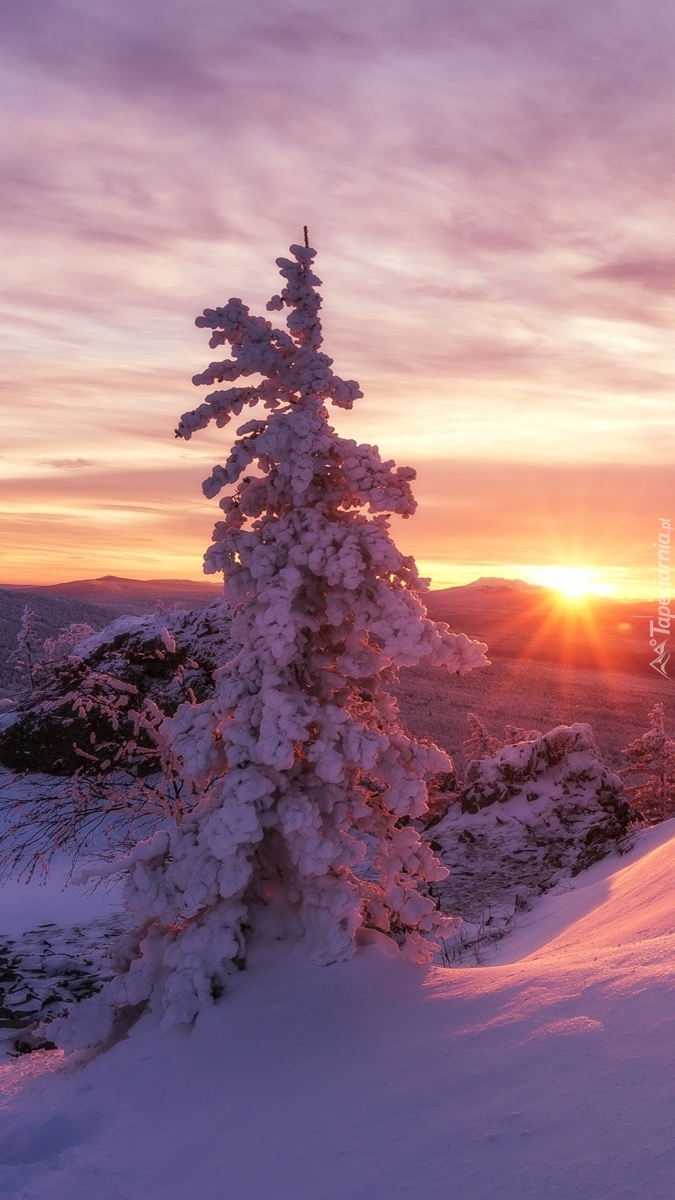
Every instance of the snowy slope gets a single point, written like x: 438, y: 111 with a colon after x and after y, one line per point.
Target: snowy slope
x: 546, y: 1078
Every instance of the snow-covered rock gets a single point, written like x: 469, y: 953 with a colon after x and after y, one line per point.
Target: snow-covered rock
x: 8, y: 713
x: 528, y: 816
x: 165, y: 659
x: 47, y: 970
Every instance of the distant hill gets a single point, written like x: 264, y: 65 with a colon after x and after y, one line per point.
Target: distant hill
x: 523, y: 621
x: 134, y: 597
x: 516, y: 619
x: 553, y: 660
x: 495, y: 581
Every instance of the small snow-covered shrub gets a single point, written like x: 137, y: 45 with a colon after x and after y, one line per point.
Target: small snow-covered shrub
x: 480, y: 744
x: 299, y: 758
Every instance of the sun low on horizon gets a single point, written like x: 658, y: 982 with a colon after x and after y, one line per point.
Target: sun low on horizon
x: 572, y: 582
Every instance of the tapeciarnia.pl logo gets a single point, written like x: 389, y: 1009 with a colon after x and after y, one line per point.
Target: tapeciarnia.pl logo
x: 661, y: 627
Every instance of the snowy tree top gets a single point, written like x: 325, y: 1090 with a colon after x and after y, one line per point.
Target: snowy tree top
x: 291, y: 363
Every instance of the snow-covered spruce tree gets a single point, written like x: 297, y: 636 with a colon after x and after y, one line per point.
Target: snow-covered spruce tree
x: 299, y: 763
x: 479, y: 744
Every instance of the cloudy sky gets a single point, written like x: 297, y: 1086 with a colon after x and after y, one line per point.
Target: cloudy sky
x: 490, y: 188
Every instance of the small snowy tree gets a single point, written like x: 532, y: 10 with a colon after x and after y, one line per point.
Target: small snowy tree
x: 33, y: 657
x: 479, y: 743
x: 299, y: 764
x: 651, y: 758
x: 60, y: 648
x: 26, y: 658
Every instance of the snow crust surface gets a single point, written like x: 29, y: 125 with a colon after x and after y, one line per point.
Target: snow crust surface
x: 378, y: 1079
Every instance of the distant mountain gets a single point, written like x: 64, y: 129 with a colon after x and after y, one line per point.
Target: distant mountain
x: 135, y: 597
x: 496, y: 582
x: 525, y: 621
x: 515, y: 618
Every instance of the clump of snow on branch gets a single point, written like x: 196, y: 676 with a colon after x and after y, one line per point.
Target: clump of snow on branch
x: 299, y: 758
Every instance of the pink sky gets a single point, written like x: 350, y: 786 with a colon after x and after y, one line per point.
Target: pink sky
x: 490, y: 190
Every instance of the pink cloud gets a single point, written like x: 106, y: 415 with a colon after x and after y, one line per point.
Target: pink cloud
x: 655, y: 274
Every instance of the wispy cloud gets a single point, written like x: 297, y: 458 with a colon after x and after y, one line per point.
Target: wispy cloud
x: 67, y: 464
x: 655, y: 274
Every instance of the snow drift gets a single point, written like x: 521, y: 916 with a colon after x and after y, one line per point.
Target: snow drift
x: 378, y: 1079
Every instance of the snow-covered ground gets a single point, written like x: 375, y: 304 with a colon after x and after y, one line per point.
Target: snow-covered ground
x: 52, y: 899
x: 546, y: 1073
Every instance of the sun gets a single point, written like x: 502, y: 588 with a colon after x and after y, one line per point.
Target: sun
x: 573, y: 582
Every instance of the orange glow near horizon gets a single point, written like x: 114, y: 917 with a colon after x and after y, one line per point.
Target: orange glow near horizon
x: 540, y: 524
